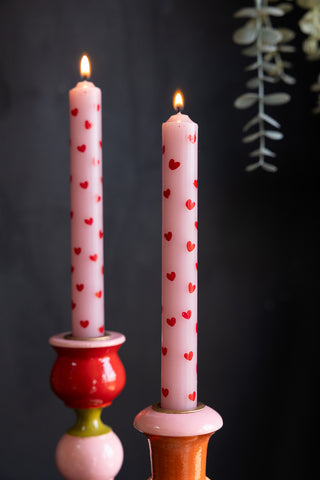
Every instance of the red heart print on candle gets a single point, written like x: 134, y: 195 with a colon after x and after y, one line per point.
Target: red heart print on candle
x: 179, y: 254
x: 71, y: 214
x: 165, y: 392
x: 72, y: 268
x: 190, y: 204
x: 164, y: 351
x: 192, y: 396
x: 171, y: 276
x: 190, y: 246
x: 188, y: 356
x: 86, y: 203
x: 171, y: 321
x: 173, y: 165
x: 73, y: 305
x: 196, y: 225
x: 163, y: 149
x: 193, y: 138
x: 84, y: 323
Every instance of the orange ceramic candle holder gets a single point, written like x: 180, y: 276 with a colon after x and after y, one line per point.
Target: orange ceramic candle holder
x: 178, y: 441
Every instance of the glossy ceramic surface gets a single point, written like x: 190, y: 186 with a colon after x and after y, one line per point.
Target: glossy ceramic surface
x: 88, y: 373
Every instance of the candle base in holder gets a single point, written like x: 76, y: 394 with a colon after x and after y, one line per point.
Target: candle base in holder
x: 178, y: 441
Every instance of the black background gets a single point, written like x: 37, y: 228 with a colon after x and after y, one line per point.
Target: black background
x: 257, y: 238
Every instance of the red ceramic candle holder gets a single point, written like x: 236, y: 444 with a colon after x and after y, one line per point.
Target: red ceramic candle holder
x: 87, y: 376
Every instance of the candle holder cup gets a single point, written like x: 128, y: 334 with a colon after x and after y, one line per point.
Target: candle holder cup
x: 87, y: 376
x: 178, y: 440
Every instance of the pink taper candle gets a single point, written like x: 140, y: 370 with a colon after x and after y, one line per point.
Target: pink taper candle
x: 179, y: 262
x: 87, y: 284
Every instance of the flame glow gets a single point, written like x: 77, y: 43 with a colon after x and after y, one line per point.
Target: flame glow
x: 85, y: 67
x: 178, y: 101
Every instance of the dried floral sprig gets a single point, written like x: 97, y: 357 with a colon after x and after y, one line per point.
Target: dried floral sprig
x: 267, y: 44
x: 310, y: 25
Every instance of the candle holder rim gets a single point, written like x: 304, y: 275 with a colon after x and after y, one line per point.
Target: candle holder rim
x: 65, y: 340
x: 196, y: 422
x: 157, y: 407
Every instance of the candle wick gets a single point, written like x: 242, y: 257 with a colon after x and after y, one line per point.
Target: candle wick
x: 85, y: 77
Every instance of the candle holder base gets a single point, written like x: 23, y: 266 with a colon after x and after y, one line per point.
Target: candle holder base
x: 178, y: 441
x: 88, y: 375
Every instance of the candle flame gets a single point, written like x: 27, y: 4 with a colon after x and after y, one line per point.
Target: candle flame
x: 178, y: 101
x: 85, y: 67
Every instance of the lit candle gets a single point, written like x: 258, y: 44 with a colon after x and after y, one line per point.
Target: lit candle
x: 87, y: 279
x: 179, y: 261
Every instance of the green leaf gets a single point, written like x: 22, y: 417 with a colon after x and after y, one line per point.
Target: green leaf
x: 270, y: 35
x: 262, y: 151
x: 276, y: 99
x: 246, y: 13
x: 270, y: 120
x: 246, y: 100
x: 273, y: 135
x: 268, y: 167
x: 245, y: 35
x: 252, y: 167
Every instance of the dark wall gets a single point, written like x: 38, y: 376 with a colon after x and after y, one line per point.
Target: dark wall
x: 258, y: 231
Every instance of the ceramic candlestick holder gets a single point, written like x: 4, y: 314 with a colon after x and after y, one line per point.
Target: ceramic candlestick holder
x: 178, y: 441
x: 88, y: 375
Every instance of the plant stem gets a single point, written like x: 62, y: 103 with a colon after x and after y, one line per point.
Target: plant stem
x: 260, y: 84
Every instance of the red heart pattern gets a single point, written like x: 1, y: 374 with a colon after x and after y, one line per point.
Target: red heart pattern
x: 188, y: 356
x: 179, y: 258
x: 171, y: 321
x: 165, y: 392
x: 171, y: 276
x: 190, y: 246
x: 190, y: 204
x: 87, y: 222
x: 173, y: 165
x: 192, y: 396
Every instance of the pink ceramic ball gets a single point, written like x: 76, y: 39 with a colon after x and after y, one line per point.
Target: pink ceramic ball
x: 89, y: 458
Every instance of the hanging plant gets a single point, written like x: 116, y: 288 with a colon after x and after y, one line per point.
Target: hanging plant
x: 266, y: 45
x: 310, y: 25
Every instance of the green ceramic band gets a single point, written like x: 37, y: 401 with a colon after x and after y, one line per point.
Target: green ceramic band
x: 89, y: 423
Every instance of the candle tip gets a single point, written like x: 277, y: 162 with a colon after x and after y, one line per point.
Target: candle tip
x: 85, y: 69
x: 178, y: 101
